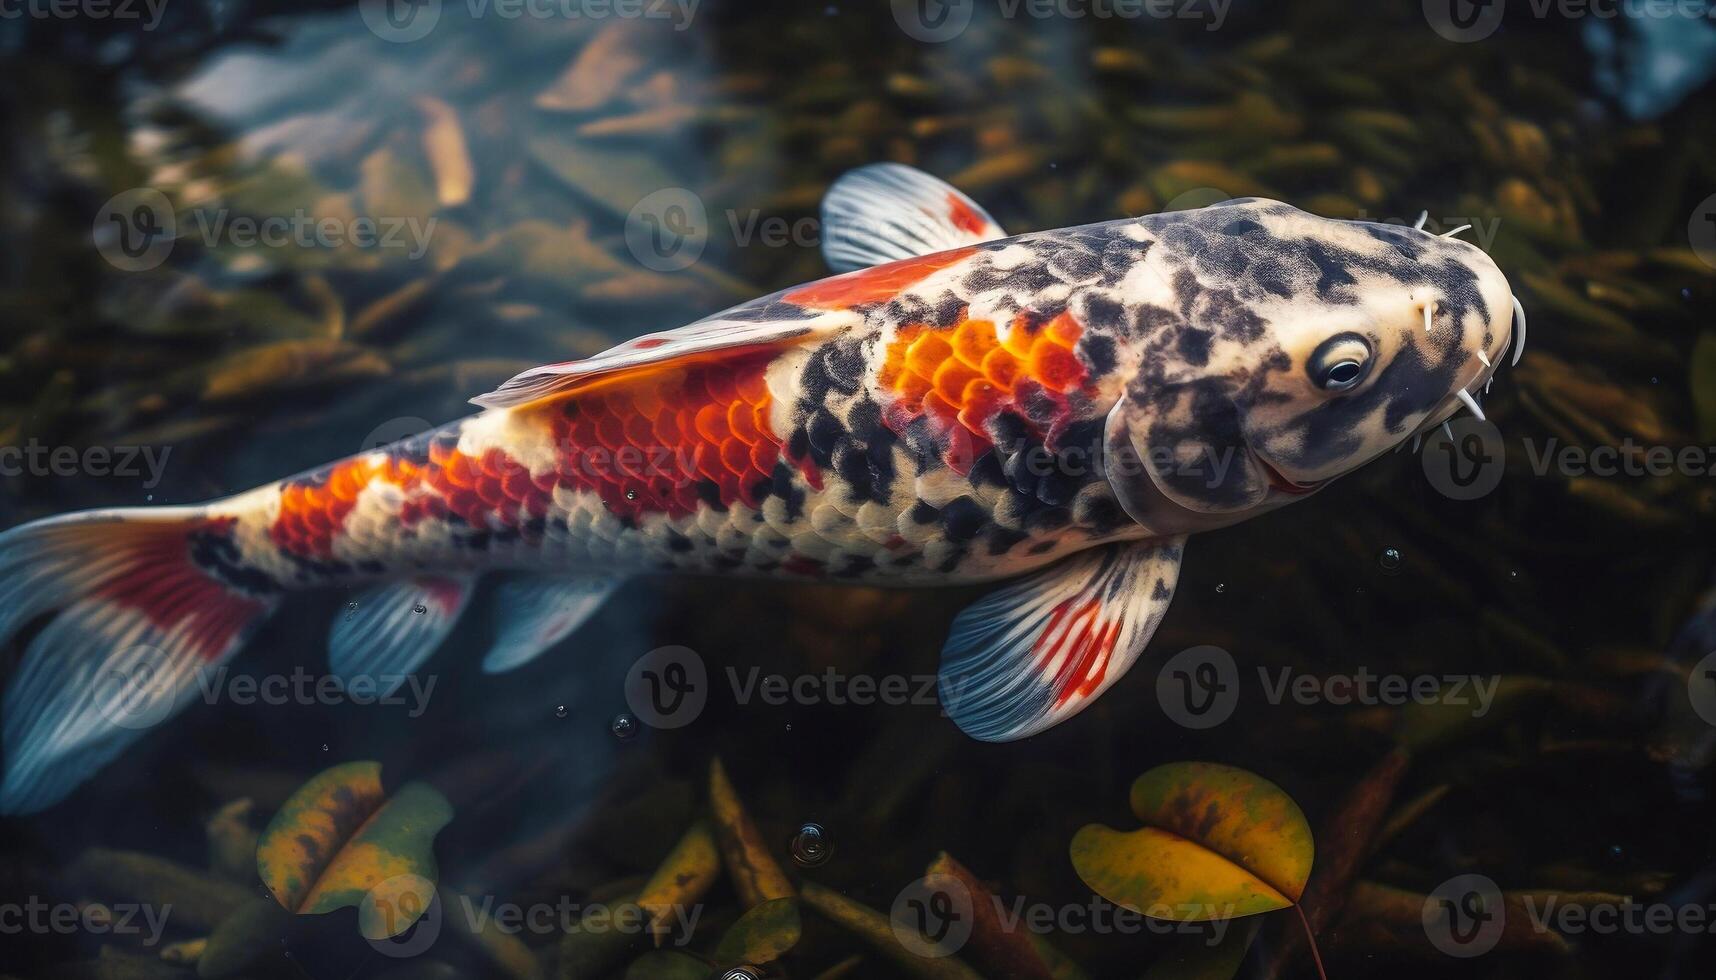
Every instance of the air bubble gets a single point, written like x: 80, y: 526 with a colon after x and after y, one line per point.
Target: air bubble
x: 1221, y: 586
x: 809, y: 846
x: 623, y: 726
x: 560, y: 711
x: 1390, y: 560
x: 739, y: 973
x: 632, y: 493
x: 420, y: 609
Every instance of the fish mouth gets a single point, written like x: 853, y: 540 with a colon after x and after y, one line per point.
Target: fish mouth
x: 1280, y: 482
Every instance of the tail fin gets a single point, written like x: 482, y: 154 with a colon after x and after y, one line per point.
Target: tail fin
x: 139, y: 604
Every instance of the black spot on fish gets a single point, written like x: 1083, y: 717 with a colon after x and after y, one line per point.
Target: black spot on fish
x: 1161, y: 593
x: 1097, y: 351
x: 844, y: 365
x: 1241, y: 226
x: 709, y: 492
x: 1001, y: 540
x: 1194, y: 346
x: 1331, y: 274
x: 962, y: 518
x: 923, y: 513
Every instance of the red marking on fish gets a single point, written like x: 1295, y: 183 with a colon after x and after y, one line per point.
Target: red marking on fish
x: 173, y: 594
x: 656, y: 442
x: 1086, y: 638
x: 964, y: 216
x: 874, y: 285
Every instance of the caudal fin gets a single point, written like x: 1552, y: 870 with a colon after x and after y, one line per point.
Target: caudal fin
x: 138, y: 603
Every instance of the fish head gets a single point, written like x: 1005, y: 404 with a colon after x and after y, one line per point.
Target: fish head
x: 1276, y: 350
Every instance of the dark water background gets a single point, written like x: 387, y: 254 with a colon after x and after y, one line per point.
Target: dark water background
x: 252, y: 363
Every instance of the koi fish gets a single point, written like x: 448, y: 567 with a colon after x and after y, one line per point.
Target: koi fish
x: 1061, y: 409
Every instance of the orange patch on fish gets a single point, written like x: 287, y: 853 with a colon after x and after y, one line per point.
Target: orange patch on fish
x: 963, y: 376
x: 312, y: 512
x: 874, y: 285
x: 667, y: 440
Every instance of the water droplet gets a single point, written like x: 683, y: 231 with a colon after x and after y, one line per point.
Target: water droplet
x: 1390, y: 560
x: 560, y: 711
x: 809, y: 846
x: 623, y: 725
x: 420, y: 609
x: 632, y: 493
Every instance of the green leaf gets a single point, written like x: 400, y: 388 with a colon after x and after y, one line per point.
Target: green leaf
x: 342, y: 841
x: 762, y: 935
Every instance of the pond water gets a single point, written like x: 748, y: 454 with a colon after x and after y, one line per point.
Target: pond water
x: 1476, y: 665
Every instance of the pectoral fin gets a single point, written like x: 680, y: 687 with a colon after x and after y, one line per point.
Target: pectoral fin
x: 1033, y: 654
x: 538, y: 611
x: 390, y: 630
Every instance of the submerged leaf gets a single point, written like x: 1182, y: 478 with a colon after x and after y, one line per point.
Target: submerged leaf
x: 1219, y: 842
x: 756, y: 875
x: 762, y: 935
x: 685, y: 874
x: 341, y: 841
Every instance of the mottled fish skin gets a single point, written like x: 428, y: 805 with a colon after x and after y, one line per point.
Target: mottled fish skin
x: 951, y: 429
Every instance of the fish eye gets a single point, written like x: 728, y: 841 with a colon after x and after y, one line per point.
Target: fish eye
x: 1340, y: 363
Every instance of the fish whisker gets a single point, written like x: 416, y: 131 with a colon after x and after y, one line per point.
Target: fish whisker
x: 1423, y: 216
x: 1471, y: 403
x: 1518, y: 331
x: 1456, y: 231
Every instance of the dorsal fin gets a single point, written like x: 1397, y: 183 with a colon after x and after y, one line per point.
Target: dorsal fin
x: 723, y: 332
x: 889, y: 211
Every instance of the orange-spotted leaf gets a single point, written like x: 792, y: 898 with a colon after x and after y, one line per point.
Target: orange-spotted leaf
x: 1218, y: 843
x: 342, y: 841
